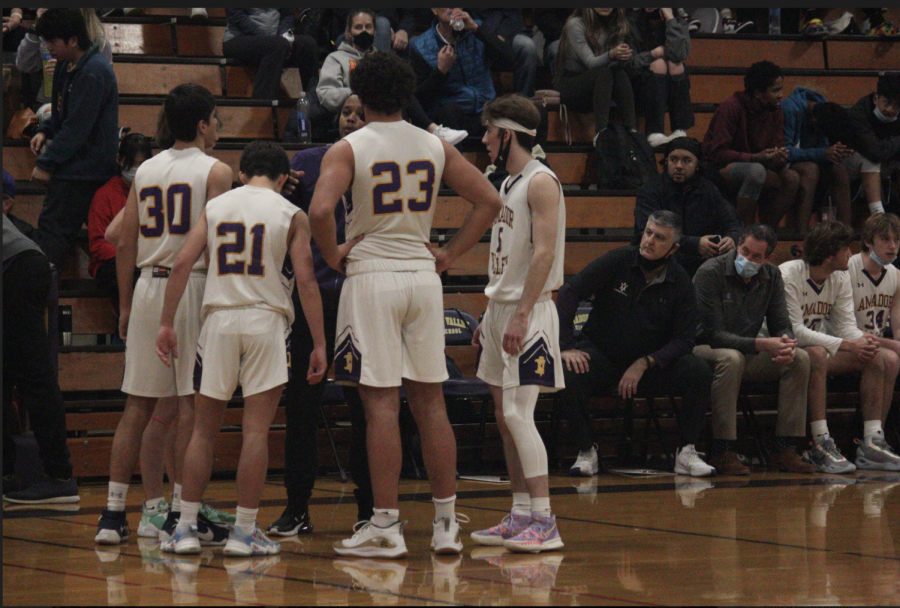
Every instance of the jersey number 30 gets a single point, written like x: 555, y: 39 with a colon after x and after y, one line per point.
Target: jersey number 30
x: 162, y: 210
x: 393, y: 186
x: 256, y: 267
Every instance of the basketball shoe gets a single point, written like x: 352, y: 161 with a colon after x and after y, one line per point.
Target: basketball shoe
x: 241, y: 544
x: 445, y: 540
x: 371, y: 541
x: 512, y: 525
x: 541, y: 535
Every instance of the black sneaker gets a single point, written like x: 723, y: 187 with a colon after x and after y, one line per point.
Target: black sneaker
x: 291, y: 524
x: 46, y: 492
x: 168, y: 527
x: 112, y: 528
x: 211, y: 533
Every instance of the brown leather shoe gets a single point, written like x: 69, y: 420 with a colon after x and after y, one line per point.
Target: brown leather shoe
x: 788, y: 461
x: 727, y: 463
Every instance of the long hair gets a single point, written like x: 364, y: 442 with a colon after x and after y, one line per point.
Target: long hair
x: 93, y: 25
x: 616, y: 28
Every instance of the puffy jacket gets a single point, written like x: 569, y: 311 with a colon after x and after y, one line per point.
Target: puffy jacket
x: 804, y: 142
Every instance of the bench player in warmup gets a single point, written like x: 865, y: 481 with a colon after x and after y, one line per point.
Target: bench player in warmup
x: 251, y: 234
x: 520, y: 331
x: 390, y: 318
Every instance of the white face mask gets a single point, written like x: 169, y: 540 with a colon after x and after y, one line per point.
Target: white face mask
x: 128, y: 175
x: 882, y: 117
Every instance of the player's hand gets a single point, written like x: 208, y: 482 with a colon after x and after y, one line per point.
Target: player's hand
x: 630, y: 379
x: 339, y: 263
x: 292, y: 182
x: 514, y: 336
x: 865, y: 348
x: 318, y: 365
x: 124, y: 315
x: 37, y: 142
x: 166, y: 344
x: 446, y: 59
x: 576, y: 361
x: 401, y: 40
x: 442, y: 260
x: 476, y: 337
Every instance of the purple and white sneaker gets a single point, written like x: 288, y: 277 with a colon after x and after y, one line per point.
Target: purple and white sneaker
x: 512, y: 525
x: 542, y: 535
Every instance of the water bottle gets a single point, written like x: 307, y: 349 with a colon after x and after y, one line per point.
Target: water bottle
x: 458, y: 25
x: 65, y: 325
x: 775, y: 21
x: 303, y: 127
x: 48, y: 72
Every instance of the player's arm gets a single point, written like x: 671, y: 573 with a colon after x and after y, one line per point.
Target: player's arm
x: 335, y: 178
x: 126, y: 259
x: 219, y: 181
x: 114, y: 229
x: 308, y: 290
x: 468, y: 182
x: 895, y: 313
x: 543, y: 199
x: 190, y: 252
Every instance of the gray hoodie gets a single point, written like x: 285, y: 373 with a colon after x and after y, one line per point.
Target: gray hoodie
x: 334, y: 78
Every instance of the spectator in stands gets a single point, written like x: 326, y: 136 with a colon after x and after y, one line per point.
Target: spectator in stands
x: 820, y: 302
x: 745, y: 144
x: 710, y: 224
x: 639, y: 336
x: 109, y: 200
x: 382, y: 32
x: 406, y: 24
x: 876, y: 138
x: 509, y: 25
x: 665, y: 84
x: 28, y: 366
x: 453, y: 69
x: 736, y: 294
x: 12, y: 30
x: 550, y: 22
x: 83, y: 131
x: 95, y: 32
x: 264, y: 38
x: 304, y: 400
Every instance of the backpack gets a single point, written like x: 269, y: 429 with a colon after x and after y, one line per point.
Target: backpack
x: 625, y: 160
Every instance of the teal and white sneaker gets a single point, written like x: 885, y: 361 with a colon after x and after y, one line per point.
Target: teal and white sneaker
x: 244, y: 545
x: 152, y: 520
x: 216, y: 516
x: 185, y: 541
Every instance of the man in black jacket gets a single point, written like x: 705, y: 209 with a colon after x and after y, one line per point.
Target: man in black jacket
x: 711, y: 226
x: 876, y: 130
x: 640, y: 334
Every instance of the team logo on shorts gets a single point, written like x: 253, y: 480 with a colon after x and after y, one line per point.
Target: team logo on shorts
x: 536, y: 365
x: 347, y: 358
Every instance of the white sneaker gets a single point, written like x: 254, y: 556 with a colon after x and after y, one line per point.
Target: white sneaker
x: 241, y: 544
x: 676, y: 134
x: 658, y: 139
x: 840, y: 24
x: 132, y: 12
x: 445, y: 540
x: 688, y: 462
x: 451, y: 136
x: 372, y: 541
x: 199, y: 15
x: 587, y: 463
x: 875, y: 453
x: 827, y: 458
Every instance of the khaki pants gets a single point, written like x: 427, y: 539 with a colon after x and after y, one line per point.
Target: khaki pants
x: 731, y: 367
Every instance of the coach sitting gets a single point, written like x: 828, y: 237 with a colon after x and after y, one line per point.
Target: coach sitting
x: 639, y: 335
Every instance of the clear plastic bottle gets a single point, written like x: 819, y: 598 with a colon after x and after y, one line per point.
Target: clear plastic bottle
x: 775, y: 21
x: 304, y: 129
x: 458, y: 25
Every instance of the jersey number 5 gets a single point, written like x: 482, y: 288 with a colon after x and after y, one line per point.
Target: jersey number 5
x: 393, y: 186
x: 236, y: 247
x: 160, y: 209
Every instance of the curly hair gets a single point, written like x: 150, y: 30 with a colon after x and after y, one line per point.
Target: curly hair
x: 881, y: 224
x: 760, y: 76
x: 824, y: 240
x: 384, y: 82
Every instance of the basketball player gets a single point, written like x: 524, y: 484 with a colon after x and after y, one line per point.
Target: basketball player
x: 520, y: 330
x: 247, y: 315
x: 166, y: 199
x: 390, y: 317
x: 876, y: 302
x: 820, y: 303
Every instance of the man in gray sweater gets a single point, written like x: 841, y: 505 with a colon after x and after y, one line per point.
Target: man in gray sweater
x: 736, y: 293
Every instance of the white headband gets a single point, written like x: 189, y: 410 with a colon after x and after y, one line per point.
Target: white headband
x: 506, y: 123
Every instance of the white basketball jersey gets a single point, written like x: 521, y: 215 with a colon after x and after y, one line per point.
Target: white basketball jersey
x: 171, y: 193
x: 398, y: 173
x: 248, y: 252
x: 872, y: 299
x: 511, y: 240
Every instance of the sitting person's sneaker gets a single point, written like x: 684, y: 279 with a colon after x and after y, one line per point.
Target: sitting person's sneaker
x: 445, y: 540
x: 827, y: 458
x: 885, y: 30
x: 658, y: 139
x: 788, y: 461
x: 48, y: 491
x: 874, y: 453
x: 688, y: 462
x: 587, y: 463
x: 291, y: 524
x: 152, y: 519
x: 184, y: 541
x: 241, y: 544
x: 132, y: 12
x: 541, y: 535
x: 216, y: 516
x: 199, y: 15
x: 814, y: 27
x: 451, y: 136
x: 512, y: 525
x: 694, y: 25
x: 211, y: 534
x: 733, y: 26
x: 371, y: 541
x: 728, y: 463
x: 112, y: 528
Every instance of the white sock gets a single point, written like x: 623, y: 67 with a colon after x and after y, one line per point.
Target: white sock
x: 176, y: 497
x: 819, y: 430
x: 189, y: 511
x: 521, y: 504
x: 445, y: 508
x: 116, y: 497
x: 153, y: 503
x: 386, y: 517
x: 876, y: 207
x: 541, y: 506
x: 872, y: 428
x: 246, y: 519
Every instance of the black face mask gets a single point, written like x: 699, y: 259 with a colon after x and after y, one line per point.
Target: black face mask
x: 364, y: 40
x: 651, y: 265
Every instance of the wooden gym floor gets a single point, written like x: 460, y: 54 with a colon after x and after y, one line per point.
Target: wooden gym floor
x: 769, y: 539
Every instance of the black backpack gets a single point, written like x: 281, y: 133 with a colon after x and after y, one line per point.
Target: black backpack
x: 625, y: 160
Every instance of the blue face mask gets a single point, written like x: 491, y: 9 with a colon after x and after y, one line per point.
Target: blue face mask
x: 128, y: 175
x: 882, y: 117
x: 745, y: 267
x: 878, y: 260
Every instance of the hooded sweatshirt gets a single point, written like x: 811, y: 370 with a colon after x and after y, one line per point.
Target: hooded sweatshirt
x: 334, y: 78
x: 804, y: 142
x: 876, y: 140
x: 741, y: 128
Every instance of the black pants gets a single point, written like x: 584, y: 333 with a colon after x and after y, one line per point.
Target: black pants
x: 688, y: 377
x: 303, y: 412
x: 595, y: 90
x: 661, y: 92
x: 64, y: 212
x: 27, y: 364
x: 269, y: 55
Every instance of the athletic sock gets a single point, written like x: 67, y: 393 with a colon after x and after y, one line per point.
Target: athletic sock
x: 541, y: 506
x: 246, y: 519
x: 445, y: 508
x: 819, y: 430
x: 521, y: 504
x: 116, y: 498
x: 153, y: 503
x: 876, y: 207
x: 386, y: 517
x: 176, y: 497
x: 872, y: 428
x: 189, y: 511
